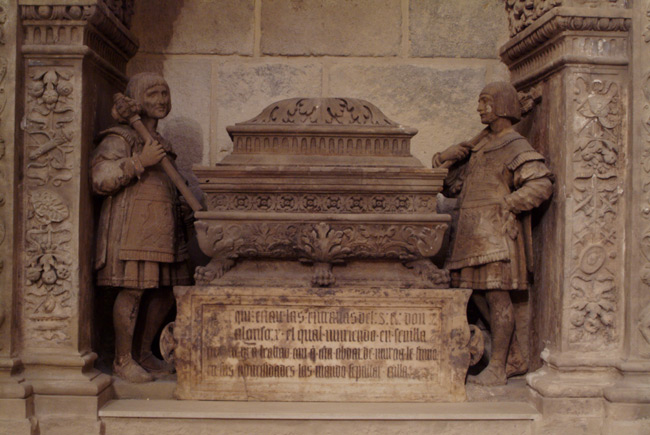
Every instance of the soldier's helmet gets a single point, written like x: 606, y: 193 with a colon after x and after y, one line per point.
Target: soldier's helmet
x: 506, y: 100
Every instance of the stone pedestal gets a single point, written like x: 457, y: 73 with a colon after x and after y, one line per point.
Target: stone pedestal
x: 315, y: 344
x: 589, y: 295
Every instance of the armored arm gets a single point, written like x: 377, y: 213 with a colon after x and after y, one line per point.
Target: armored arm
x: 533, y: 183
x: 113, y: 167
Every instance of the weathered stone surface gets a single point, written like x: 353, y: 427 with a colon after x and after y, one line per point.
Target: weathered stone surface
x: 324, y: 425
x: 243, y: 87
x: 223, y: 27
x: 331, y: 27
x: 301, y: 344
x: 429, y: 99
x: 459, y: 28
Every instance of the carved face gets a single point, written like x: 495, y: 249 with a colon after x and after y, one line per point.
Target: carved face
x: 156, y: 102
x: 486, y: 108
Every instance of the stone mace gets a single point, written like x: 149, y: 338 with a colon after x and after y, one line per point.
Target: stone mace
x: 130, y: 112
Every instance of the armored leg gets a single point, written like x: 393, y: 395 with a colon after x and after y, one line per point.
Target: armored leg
x: 125, y: 315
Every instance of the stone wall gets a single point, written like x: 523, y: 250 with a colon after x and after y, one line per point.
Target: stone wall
x: 422, y: 62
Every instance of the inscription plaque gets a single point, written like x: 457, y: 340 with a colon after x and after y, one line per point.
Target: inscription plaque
x: 321, y: 344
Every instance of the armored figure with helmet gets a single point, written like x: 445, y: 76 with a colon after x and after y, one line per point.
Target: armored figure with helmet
x: 498, y: 181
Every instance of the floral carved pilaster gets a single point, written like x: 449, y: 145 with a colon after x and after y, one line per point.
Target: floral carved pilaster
x: 51, y: 152
x: 597, y: 232
x: 632, y: 389
x: 74, y: 56
x: 643, y: 185
x: 577, y: 52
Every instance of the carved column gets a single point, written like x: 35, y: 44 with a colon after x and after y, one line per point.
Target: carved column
x: 16, y: 402
x: 629, y: 397
x: 74, y: 53
x: 588, y: 283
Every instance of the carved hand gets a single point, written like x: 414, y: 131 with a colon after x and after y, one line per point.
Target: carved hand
x: 509, y: 221
x: 456, y: 152
x: 152, y: 153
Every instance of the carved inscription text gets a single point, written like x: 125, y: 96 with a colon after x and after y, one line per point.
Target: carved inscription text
x: 304, y: 344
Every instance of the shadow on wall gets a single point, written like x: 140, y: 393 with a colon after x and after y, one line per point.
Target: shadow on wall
x: 186, y: 136
x: 153, y: 22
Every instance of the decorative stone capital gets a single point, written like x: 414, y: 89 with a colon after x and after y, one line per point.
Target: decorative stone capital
x: 96, y: 27
x: 567, y: 35
x: 524, y: 13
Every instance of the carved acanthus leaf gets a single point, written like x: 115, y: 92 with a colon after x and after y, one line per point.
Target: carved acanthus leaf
x: 320, y: 242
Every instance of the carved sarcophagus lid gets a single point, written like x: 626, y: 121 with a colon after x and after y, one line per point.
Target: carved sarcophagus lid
x: 322, y: 181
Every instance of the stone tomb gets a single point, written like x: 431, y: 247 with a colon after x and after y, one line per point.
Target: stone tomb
x: 321, y: 226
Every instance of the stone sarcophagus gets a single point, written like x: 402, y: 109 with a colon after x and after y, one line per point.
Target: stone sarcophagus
x: 324, y: 181
x: 320, y: 226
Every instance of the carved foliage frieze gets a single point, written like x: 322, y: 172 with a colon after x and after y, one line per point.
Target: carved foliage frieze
x: 319, y: 242
x: 288, y: 202
x: 48, y: 168
x: 596, y: 240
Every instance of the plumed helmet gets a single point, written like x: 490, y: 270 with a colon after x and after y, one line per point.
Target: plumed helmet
x: 506, y: 100
x: 140, y: 82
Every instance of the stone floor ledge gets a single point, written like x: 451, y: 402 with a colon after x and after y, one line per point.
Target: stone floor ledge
x: 190, y: 409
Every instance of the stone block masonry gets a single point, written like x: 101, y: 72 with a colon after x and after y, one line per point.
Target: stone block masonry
x: 403, y: 54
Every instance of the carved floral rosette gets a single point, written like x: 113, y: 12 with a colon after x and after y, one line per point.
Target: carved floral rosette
x: 321, y: 181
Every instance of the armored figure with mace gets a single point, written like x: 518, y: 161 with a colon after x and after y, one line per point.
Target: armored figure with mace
x: 141, y: 240
x: 498, y: 178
